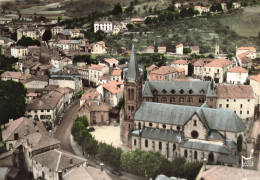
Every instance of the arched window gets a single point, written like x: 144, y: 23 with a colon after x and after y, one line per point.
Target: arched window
x: 132, y: 92
x: 185, y: 153
x: 146, y: 143
x: 195, y: 155
x: 133, y: 108
x: 135, y: 142
x: 139, y: 125
x: 129, y: 94
x: 160, y: 145
x: 211, y: 157
x: 174, y: 147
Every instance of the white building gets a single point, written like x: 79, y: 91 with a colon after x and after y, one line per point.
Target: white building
x: 96, y: 71
x: 255, y: 82
x: 240, y: 98
x: 181, y: 64
x: 237, y: 75
x: 19, y: 51
x: 179, y: 49
x: 105, y: 26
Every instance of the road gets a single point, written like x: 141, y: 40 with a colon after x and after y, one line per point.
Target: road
x: 63, y: 130
x: 63, y: 134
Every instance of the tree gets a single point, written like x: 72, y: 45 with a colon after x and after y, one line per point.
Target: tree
x: 229, y: 5
x: 129, y: 9
x: 184, y: 13
x: 47, y: 35
x: 12, y: 100
x: 14, y: 36
x: 186, y: 51
x: 130, y: 26
x: 170, y: 16
x: 6, y: 63
x: 155, y: 20
x: 84, y: 120
x: 161, y: 17
x: 148, y: 21
x: 213, y: 8
x: 117, y: 10
x: 27, y: 41
x: 191, y: 12
x: 219, y: 7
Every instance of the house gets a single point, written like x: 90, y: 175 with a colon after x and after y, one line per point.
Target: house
x: 28, y: 32
x: 9, y: 75
x: 149, y: 49
x: 19, y: 51
x: 255, y: 82
x: 84, y: 173
x: 15, y: 130
x: 116, y: 74
x: 240, y: 98
x: 191, y: 132
x: 105, y: 26
x: 112, y: 92
x: 47, y: 108
x: 161, y: 49
x: 6, y: 42
x: 152, y: 68
x: 55, y: 164
x: 163, y: 73
x: 199, y: 67
x: 96, y: 71
x: 117, y: 26
x: 67, y: 80
x: 98, y: 48
x: 137, y: 21
x: 245, y: 60
x: 104, y: 79
x: 181, y: 64
x: 195, y: 50
x: 74, y: 45
x: 96, y: 111
x: 63, y: 44
x: 111, y: 62
x: 217, y: 69
x: 89, y: 94
x: 252, y: 50
x: 56, y: 30
x: 181, y: 73
x: 75, y: 33
x: 237, y: 75
x: 179, y: 49
x: 188, y: 93
x: 122, y: 50
x: 60, y: 62
x: 202, y: 9
x: 236, y: 5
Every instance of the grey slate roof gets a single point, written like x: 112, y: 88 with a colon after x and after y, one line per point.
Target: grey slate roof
x: 64, y: 77
x: 229, y: 159
x: 133, y: 70
x: 195, y: 86
x: 213, y: 119
x: 159, y: 134
x: 163, y: 177
x: 203, y: 146
x: 215, y: 135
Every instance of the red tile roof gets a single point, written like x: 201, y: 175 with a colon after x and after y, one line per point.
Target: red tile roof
x: 219, y: 63
x: 116, y: 72
x: 90, y: 94
x: 161, y: 47
x: 180, y: 61
x: 10, y: 74
x: 151, y: 67
x: 111, y: 61
x: 96, y: 67
x: 164, y: 70
x: 150, y: 47
x: 256, y: 78
x: 238, y: 70
x: 247, y: 48
x: 199, y: 63
x: 235, y: 91
x: 180, y: 69
x: 113, y: 86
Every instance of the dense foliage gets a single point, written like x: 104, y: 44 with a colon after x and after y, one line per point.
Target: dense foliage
x: 88, y: 59
x: 27, y: 41
x: 6, y: 63
x: 12, y: 100
x: 47, y: 35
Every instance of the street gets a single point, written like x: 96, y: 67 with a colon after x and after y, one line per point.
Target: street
x: 63, y: 134
x: 63, y: 130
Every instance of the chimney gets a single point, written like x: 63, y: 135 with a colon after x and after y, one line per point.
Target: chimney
x: 98, y: 103
x: 71, y: 161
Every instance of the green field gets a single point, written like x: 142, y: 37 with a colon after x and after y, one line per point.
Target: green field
x: 245, y: 23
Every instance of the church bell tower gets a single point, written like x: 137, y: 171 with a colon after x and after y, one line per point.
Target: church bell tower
x: 133, y: 98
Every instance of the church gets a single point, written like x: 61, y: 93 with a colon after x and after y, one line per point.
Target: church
x: 194, y: 131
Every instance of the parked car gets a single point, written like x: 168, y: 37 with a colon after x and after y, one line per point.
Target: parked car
x: 90, y: 129
x: 115, y: 172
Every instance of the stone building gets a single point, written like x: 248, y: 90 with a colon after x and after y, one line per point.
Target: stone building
x: 191, y: 132
x: 237, y: 75
x: 19, y: 51
x: 190, y: 93
x: 96, y: 111
x: 163, y: 73
x: 181, y: 63
x: 194, y: 132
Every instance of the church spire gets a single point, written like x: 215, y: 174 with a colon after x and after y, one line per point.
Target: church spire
x: 133, y: 70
